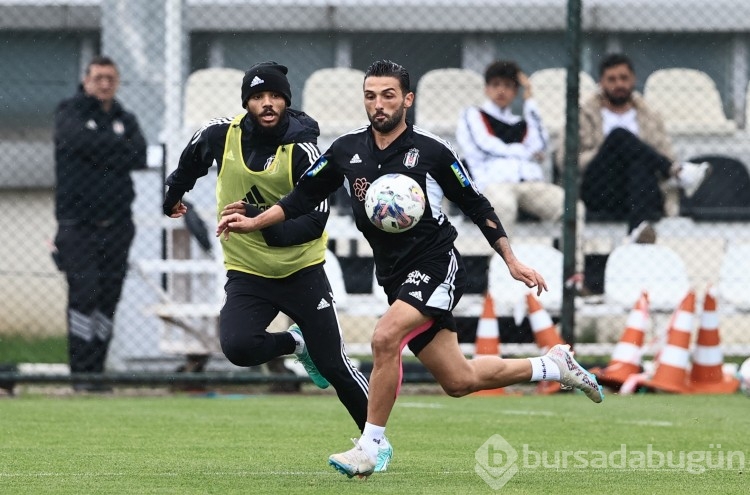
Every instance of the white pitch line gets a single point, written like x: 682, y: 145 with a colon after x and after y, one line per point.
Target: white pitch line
x: 647, y: 422
x: 521, y: 412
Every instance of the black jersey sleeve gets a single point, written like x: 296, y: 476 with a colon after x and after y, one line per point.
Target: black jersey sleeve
x: 322, y: 178
x: 301, y: 229
x: 296, y: 230
x: 458, y: 187
x: 205, y: 147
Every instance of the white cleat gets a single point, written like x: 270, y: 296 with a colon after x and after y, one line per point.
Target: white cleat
x: 353, y: 462
x: 691, y: 176
x: 573, y: 375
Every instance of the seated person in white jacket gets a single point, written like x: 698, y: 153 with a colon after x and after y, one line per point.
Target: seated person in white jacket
x: 504, y: 151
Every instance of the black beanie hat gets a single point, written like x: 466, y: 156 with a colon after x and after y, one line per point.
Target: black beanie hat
x: 266, y: 76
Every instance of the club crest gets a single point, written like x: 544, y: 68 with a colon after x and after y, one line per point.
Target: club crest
x: 411, y: 158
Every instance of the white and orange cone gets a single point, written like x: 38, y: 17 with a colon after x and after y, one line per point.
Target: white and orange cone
x: 545, y: 331
x: 626, y: 357
x: 545, y: 337
x: 707, y: 375
x: 487, y: 342
x: 674, y: 360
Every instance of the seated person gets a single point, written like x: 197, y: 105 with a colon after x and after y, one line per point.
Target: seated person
x: 626, y: 157
x: 504, y: 151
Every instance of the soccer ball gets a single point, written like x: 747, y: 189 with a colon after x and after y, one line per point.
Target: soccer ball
x: 394, y: 203
x: 744, y: 376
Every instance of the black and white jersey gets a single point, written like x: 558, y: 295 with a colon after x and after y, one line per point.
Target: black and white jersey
x: 355, y: 160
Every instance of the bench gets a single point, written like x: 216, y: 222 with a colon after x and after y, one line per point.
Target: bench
x: 189, y: 327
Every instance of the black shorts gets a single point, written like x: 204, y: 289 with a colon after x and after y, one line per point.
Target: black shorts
x: 434, y: 287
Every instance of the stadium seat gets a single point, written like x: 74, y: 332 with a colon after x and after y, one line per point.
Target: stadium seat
x: 702, y: 254
x: 333, y: 96
x: 724, y: 195
x: 688, y: 101
x: 549, y: 90
x: 508, y: 293
x: 633, y: 268
x: 442, y: 95
x: 378, y: 293
x: 211, y: 93
x: 336, y: 279
x: 734, y: 275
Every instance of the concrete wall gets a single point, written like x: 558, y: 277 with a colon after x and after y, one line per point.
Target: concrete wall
x: 32, y: 291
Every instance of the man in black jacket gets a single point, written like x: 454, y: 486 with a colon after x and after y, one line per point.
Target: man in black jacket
x: 261, y: 154
x: 420, y: 269
x: 97, y: 144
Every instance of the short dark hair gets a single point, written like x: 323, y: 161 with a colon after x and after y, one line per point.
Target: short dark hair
x: 503, y: 69
x: 387, y: 68
x: 101, y: 60
x: 614, y: 59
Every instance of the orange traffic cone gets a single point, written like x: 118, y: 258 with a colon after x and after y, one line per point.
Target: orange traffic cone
x: 545, y: 332
x: 674, y: 359
x: 545, y: 336
x: 626, y: 357
x: 707, y: 375
x: 487, y: 341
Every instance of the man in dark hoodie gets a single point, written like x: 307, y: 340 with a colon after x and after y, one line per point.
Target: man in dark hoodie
x: 261, y: 154
x: 97, y: 144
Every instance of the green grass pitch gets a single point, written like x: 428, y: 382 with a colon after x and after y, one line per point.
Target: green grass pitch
x: 267, y: 444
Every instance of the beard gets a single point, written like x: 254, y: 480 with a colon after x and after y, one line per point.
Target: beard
x: 261, y: 128
x: 618, y: 100
x: 387, y: 125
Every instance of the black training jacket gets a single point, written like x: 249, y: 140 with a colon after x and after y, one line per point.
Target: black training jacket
x: 94, y: 154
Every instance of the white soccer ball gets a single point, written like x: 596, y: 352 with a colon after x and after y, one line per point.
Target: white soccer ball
x: 394, y: 203
x: 744, y: 376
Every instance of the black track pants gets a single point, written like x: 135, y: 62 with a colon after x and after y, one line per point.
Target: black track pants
x: 252, y: 302
x: 95, y: 261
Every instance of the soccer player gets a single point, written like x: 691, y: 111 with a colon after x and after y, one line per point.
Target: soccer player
x: 261, y: 153
x: 420, y: 270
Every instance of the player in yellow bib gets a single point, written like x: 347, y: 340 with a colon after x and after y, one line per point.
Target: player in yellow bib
x: 261, y: 155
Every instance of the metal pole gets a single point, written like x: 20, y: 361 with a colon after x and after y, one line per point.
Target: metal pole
x: 173, y: 35
x: 570, y: 171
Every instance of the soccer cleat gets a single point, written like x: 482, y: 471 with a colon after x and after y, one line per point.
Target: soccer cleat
x: 573, y: 375
x: 353, y: 462
x: 304, y: 358
x: 691, y: 176
x: 385, y: 454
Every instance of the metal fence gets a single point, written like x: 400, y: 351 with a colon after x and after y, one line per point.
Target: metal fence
x: 181, y: 63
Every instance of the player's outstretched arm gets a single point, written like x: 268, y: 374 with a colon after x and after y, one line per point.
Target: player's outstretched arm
x: 236, y: 207
x: 518, y: 270
x: 239, y: 223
